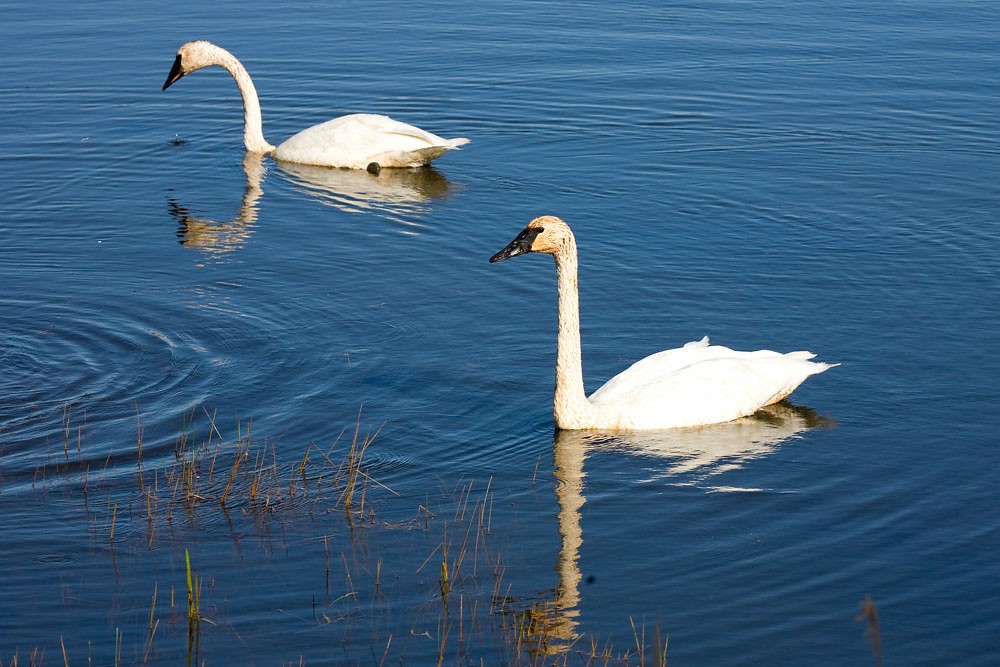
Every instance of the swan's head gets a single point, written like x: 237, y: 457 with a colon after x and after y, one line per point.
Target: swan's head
x: 190, y: 57
x: 547, y: 234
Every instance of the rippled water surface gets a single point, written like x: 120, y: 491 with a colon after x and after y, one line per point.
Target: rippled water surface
x: 780, y: 175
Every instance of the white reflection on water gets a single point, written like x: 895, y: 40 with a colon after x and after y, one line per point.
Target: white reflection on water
x: 397, y: 193
x: 708, y: 450
x: 696, y: 454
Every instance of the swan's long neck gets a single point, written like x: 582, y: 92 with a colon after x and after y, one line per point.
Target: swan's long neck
x: 253, y: 132
x: 572, y: 410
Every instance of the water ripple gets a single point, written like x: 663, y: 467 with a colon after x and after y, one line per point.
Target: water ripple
x: 69, y: 367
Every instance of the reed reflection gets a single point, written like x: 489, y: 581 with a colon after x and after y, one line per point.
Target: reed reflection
x: 702, y: 451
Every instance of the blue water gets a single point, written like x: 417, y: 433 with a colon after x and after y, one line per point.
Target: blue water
x: 780, y: 175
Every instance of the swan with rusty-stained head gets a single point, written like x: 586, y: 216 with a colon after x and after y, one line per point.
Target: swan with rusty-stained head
x: 355, y: 141
x: 693, y: 385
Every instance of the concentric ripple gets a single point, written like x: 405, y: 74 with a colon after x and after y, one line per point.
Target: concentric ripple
x: 60, y: 357
x: 68, y: 370
x: 81, y: 381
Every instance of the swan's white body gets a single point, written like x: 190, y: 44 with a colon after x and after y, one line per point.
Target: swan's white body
x: 693, y: 385
x: 356, y: 141
x: 700, y: 384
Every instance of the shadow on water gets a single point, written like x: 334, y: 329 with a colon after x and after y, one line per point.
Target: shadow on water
x: 399, y: 194
x: 707, y: 450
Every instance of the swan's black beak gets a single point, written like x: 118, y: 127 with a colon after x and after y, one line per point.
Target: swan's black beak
x: 175, y: 73
x: 519, y: 245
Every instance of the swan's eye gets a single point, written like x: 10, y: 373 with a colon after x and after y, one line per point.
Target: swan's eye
x: 528, y: 236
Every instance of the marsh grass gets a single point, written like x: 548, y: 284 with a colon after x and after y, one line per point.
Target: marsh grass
x: 238, y: 473
x: 869, y: 616
x: 193, y: 609
x: 471, y: 612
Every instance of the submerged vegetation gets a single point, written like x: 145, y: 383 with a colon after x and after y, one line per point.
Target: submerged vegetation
x: 425, y: 584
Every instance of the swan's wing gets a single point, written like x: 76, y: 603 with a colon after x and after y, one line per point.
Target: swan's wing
x: 386, y: 125
x: 656, y: 366
x: 357, y: 140
x: 720, y: 386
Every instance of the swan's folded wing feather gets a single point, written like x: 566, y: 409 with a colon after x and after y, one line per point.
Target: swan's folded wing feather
x: 657, y: 366
x: 410, y: 158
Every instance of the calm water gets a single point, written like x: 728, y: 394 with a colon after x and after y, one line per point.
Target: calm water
x: 775, y: 174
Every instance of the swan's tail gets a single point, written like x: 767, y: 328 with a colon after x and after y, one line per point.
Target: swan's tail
x: 804, y: 371
x: 814, y: 367
x: 819, y: 366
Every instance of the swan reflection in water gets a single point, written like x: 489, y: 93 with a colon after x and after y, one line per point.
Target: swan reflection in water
x: 393, y: 191
x: 399, y: 194
x: 692, y: 456
x: 700, y: 451
x: 216, y: 237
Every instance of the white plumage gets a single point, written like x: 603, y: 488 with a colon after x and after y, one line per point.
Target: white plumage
x: 357, y: 141
x: 702, y: 384
x: 693, y: 385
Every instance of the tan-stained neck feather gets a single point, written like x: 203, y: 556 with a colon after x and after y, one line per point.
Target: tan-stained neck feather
x: 571, y: 408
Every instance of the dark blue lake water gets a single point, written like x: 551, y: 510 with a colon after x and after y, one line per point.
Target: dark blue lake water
x: 774, y: 175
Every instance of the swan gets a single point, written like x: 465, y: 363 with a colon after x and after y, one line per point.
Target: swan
x: 693, y: 385
x: 356, y: 141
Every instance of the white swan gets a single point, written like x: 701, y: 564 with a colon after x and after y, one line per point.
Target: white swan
x: 357, y: 141
x: 693, y: 385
